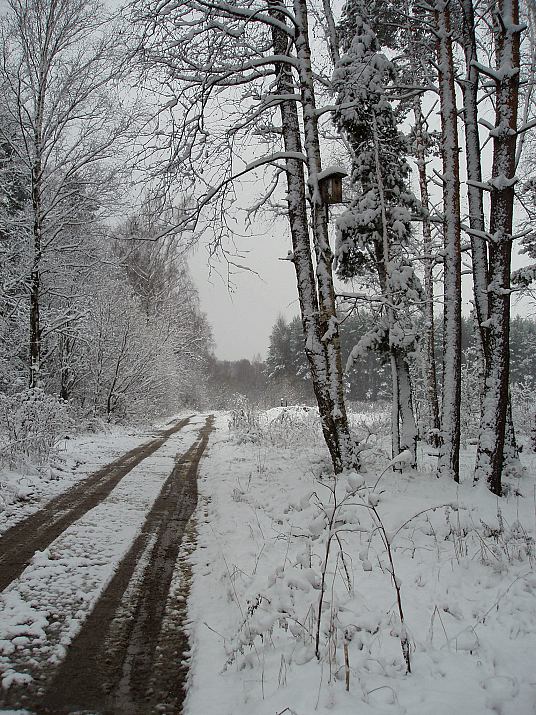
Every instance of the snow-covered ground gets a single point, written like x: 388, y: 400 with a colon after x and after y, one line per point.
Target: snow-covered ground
x: 262, y: 573
x: 280, y: 542
x: 26, y: 489
x: 42, y: 611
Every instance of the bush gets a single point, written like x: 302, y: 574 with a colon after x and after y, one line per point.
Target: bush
x: 32, y: 424
x: 244, y: 420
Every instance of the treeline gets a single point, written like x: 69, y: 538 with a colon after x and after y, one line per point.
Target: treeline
x: 284, y: 373
x: 121, y: 332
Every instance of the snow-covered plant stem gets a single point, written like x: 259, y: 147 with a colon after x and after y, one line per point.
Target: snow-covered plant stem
x: 335, y: 525
x: 449, y: 451
x: 507, y: 32
x: 331, y: 535
x: 404, y: 640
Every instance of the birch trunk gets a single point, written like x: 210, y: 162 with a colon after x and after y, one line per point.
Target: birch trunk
x: 495, y: 399
x: 316, y: 292
x: 449, y: 451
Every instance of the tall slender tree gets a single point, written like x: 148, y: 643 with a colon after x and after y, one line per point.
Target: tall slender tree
x: 376, y: 229
x: 264, y: 49
x: 505, y: 77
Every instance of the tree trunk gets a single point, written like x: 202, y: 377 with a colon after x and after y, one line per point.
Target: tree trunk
x: 477, y: 220
x: 319, y: 320
x: 395, y: 408
x: 449, y: 451
x: 495, y: 400
x: 35, y: 280
x: 408, y: 427
x: 428, y: 263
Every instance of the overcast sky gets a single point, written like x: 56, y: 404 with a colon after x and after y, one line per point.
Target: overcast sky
x: 242, y: 320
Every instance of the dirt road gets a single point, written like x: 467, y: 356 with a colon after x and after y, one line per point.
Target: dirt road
x: 128, y: 656
x: 19, y: 544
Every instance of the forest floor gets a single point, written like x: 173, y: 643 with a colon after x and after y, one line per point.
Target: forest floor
x: 281, y: 593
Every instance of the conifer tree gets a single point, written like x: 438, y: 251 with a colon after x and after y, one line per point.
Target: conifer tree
x: 374, y: 233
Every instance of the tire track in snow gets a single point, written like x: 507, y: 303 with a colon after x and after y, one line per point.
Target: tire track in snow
x: 38, y: 531
x: 112, y: 666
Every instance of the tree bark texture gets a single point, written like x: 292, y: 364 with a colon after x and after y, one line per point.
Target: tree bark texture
x: 449, y: 451
x: 495, y: 399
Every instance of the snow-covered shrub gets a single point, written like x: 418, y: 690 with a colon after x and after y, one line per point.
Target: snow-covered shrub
x: 284, y: 427
x: 244, y: 420
x: 32, y: 424
x: 373, y: 431
x: 495, y: 542
x: 292, y: 426
x: 310, y: 603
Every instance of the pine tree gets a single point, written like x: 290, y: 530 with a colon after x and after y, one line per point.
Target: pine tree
x: 374, y: 233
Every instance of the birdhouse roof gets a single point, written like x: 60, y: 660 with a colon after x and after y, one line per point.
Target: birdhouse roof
x: 332, y: 172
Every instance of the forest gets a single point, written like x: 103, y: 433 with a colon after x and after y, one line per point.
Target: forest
x: 346, y: 521
x: 108, y: 117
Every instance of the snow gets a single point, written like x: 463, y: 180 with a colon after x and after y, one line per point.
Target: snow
x: 43, y: 610
x: 280, y: 541
x: 464, y: 564
x: 332, y: 170
x: 27, y: 489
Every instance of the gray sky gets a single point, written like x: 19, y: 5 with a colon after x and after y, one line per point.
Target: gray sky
x: 242, y: 320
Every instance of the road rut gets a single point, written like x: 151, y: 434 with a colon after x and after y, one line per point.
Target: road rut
x: 115, y: 663
x: 38, y: 531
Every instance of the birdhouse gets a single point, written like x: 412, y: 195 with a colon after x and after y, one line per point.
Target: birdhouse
x: 330, y: 184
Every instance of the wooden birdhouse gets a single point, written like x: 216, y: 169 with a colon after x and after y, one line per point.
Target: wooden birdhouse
x: 330, y: 184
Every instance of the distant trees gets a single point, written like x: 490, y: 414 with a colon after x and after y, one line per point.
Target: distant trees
x: 366, y: 377
x: 227, y: 381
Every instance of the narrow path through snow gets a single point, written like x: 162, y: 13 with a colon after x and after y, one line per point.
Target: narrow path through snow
x: 111, y: 669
